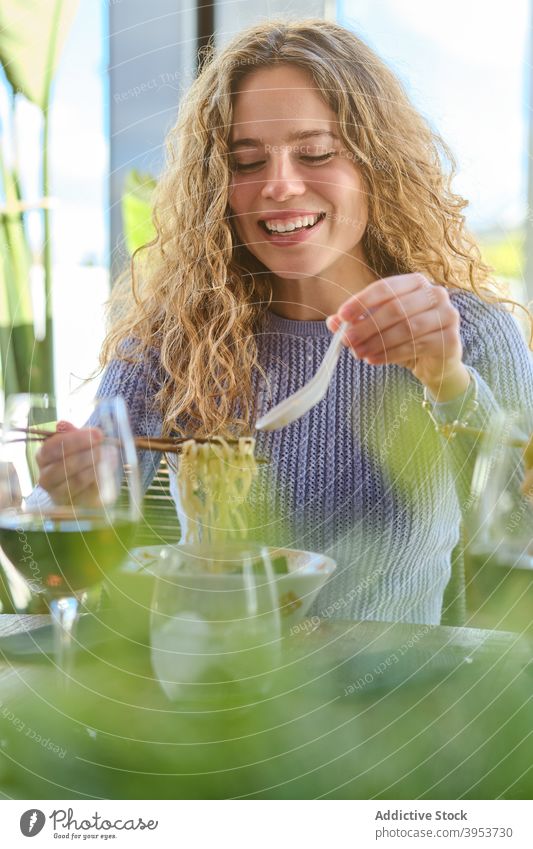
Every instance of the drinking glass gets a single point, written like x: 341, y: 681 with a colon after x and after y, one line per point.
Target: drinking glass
x: 215, y: 624
x: 65, y: 545
x: 500, y: 544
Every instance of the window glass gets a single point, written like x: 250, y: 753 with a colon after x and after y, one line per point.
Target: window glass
x: 465, y: 67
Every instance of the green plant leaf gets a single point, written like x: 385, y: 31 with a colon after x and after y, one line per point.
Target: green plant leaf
x: 32, y: 35
x: 137, y: 209
x: 26, y: 363
x: 505, y: 252
x: 14, y: 254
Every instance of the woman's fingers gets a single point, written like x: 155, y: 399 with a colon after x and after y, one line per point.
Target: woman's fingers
x: 398, y: 311
x: 408, y: 321
x: 55, y: 474
x: 333, y: 322
x: 81, y: 488
x: 66, y: 443
x: 68, y: 463
x: 376, y: 294
x: 409, y: 332
x: 433, y: 345
x: 396, y: 321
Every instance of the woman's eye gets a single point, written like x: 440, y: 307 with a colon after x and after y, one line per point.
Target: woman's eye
x: 243, y: 167
x: 324, y: 157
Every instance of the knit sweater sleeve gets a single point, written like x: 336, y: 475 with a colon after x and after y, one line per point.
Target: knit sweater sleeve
x: 495, y: 351
x: 137, y: 383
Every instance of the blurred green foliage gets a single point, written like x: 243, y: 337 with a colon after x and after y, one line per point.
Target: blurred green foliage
x: 425, y: 728
x: 137, y: 209
x: 32, y: 36
x: 505, y: 252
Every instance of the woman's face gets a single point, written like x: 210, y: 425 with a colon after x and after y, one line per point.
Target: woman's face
x: 297, y: 196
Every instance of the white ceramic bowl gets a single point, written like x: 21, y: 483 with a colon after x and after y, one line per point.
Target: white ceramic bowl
x: 132, y: 585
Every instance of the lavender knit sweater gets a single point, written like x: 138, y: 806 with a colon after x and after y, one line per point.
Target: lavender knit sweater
x: 363, y: 476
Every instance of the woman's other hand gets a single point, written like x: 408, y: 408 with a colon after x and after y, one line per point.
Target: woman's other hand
x: 408, y: 321
x: 68, y: 463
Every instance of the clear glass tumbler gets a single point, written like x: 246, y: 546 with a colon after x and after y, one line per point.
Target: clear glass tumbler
x: 215, y: 624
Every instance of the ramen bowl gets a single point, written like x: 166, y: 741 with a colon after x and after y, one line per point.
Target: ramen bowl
x: 298, y: 578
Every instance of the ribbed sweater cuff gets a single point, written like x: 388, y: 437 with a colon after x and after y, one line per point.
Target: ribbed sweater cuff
x: 446, y: 412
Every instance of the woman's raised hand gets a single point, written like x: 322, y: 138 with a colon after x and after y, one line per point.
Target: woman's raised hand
x: 67, y: 464
x: 407, y: 321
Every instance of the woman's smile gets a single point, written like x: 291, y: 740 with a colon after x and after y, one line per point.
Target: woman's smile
x: 291, y: 226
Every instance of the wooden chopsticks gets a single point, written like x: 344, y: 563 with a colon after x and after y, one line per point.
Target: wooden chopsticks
x: 171, y: 445
x: 164, y: 444
x: 174, y: 444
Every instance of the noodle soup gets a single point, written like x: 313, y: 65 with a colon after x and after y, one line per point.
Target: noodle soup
x: 210, y: 487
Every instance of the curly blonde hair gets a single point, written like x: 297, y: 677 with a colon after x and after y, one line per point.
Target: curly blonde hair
x: 198, y: 297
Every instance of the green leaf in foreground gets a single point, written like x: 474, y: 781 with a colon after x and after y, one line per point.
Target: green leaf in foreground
x: 505, y: 253
x: 137, y: 210
x: 32, y: 35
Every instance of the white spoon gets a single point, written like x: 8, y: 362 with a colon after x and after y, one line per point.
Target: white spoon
x: 296, y: 405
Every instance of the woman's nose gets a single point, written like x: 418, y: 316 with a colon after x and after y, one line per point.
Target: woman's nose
x: 282, y: 180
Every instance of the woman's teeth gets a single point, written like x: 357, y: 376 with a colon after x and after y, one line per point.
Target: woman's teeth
x: 290, y: 225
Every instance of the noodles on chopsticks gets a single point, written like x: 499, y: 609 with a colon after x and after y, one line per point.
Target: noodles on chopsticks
x: 214, y: 479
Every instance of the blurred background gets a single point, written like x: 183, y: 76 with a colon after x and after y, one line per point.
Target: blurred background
x: 82, y: 142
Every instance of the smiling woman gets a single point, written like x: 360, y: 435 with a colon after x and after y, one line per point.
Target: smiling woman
x: 302, y: 185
